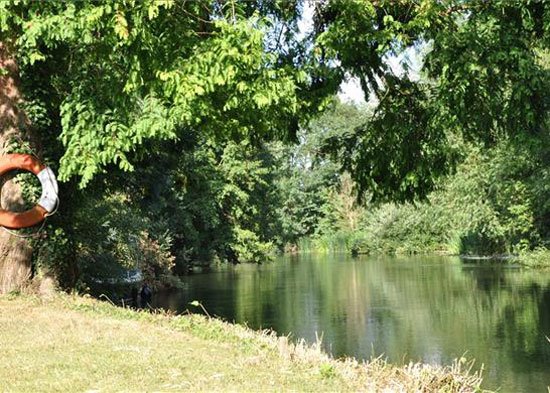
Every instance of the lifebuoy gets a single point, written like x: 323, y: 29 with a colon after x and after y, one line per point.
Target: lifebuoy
x: 48, y: 199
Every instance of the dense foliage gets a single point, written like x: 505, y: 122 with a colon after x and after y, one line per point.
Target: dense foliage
x: 184, y: 97
x: 123, y: 73
x: 484, y: 77
x: 494, y: 203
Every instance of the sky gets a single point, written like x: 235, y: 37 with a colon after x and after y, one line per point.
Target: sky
x: 350, y: 89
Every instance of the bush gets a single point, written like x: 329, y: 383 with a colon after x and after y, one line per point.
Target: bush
x: 495, y: 203
x: 537, y: 258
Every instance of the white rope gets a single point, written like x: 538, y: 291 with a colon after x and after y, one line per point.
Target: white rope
x: 56, y: 207
x: 35, y: 234
x: 56, y: 197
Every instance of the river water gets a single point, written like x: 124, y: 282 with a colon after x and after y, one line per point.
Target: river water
x: 430, y: 309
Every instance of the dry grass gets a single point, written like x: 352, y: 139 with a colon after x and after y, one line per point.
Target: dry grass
x: 80, y: 345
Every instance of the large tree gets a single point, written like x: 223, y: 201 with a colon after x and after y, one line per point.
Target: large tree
x: 483, y: 76
x: 114, y: 76
x: 15, y: 251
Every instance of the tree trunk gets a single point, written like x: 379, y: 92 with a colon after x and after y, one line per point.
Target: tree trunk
x: 15, y: 252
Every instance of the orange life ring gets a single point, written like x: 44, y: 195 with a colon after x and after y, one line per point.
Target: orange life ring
x: 48, y: 200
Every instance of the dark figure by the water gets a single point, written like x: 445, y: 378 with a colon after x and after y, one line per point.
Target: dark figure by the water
x: 134, y: 296
x: 146, y: 294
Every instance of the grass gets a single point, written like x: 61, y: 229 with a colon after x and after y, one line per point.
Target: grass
x: 68, y: 343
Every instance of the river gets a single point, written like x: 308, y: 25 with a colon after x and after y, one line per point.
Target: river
x: 430, y: 309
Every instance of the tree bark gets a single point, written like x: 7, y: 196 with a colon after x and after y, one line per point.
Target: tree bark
x: 15, y: 252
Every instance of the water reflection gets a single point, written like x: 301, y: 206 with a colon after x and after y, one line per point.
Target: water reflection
x: 423, y: 308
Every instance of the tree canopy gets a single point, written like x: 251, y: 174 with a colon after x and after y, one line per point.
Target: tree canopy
x: 123, y: 73
x: 484, y: 75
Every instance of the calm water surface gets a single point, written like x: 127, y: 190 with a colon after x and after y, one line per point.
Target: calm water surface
x: 432, y: 309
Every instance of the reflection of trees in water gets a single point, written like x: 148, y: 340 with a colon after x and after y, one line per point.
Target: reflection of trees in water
x: 426, y: 308
x: 523, y: 308
x: 398, y: 309
x: 544, y: 315
x: 523, y: 324
x: 486, y: 275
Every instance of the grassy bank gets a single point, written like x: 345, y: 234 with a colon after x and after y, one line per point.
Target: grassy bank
x: 79, y: 344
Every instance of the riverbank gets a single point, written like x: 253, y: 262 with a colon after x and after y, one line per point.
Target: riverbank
x: 353, y: 245
x: 67, y: 343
